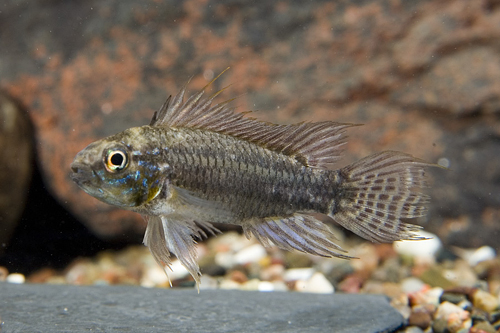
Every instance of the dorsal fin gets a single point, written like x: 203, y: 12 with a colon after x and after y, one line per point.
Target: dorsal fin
x: 312, y: 144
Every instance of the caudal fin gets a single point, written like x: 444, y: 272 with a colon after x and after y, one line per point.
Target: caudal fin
x: 380, y: 190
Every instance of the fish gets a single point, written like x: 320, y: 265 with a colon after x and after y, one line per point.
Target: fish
x: 199, y: 162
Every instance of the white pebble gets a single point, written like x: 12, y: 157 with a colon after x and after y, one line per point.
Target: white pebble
x: 252, y: 253
x: 294, y: 274
x: 154, y: 276
x: 229, y: 284
x: 446, y: 308
x: 317, y: 284
x: 421, y: 248
x: 176, y: 271
x: 411, y: 285
x: 16, y: 278
x: 481, y: 254
x: 266, y: 286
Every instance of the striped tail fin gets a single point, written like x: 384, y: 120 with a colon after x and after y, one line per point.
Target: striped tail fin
x: 379, y: 190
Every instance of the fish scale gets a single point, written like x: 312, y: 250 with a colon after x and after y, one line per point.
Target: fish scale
x: 242, y: 166
x: 198, y: 163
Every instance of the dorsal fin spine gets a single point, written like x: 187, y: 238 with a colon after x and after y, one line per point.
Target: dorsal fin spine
x: 312, y: 144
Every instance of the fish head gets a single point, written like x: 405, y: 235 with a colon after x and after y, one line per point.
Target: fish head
x: 121, y: 170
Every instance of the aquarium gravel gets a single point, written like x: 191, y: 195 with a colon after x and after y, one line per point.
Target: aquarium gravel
x: 436, y: 289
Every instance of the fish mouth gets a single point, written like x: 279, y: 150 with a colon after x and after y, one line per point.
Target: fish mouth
x: 82, y: 174
x: 87, y: 179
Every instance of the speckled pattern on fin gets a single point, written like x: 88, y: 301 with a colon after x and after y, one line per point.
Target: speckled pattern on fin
x: 165, y: 235
x: 313, y: 144
x: 298, y: 232
x: 380, y: 190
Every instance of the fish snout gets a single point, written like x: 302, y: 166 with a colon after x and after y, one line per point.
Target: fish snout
x: 81, y: 172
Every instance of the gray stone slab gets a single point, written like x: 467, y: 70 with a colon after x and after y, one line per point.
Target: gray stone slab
x: 49, y: 308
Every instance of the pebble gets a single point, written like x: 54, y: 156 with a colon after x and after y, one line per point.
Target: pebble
x: 423, y: 249
x: 213, y: 270
x: 368, y: 258
x: 317, y: 284
x: 230, y: 242
x: 390, y: 289
x: 478, y: 316
x: 252, y: 284
x: 266, y: 286
x: 295, y: 274
x: 455, y: 317
x: 154, y: 277
x: 461, y: 274
x: 279, y: 286
x: 15, y: 278
x: 3, y: 273
x: 452, y: 298
x: 351, y: 284
x: 340, y: 271
x: 238, y: 276
x: 412, y: 285
x: 229, y: 284
x: 475, y: 256
x: 426, y: 296
x: 295, y: 259
x: 413, y: 329
x: 390, y: 270
x: 466, y: 305
x: 177, y: 271
x: 483, y: 327
x: 420, y: 317
x: 224, y: 259
x: 435, y: 276
x: 445, y: 296
x: 495, y: 316
x: 252, y: 253
x: 485, y: 301
x: 82, y: 273
x: 439, y: 326
x: 401, y: 303
x: 273, y: 272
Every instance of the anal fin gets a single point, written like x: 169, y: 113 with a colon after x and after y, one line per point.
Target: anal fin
x: 298, y: 232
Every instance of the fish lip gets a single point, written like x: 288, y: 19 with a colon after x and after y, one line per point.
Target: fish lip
x: 81, y: 173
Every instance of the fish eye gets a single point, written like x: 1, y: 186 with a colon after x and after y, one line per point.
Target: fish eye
x: 116, y: 160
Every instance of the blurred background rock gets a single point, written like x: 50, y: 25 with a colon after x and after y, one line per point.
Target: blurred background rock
x: 423, y: 76
x: 16, y: 165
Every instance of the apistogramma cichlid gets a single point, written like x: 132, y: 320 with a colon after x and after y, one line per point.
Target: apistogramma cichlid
x: 198, y: 163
